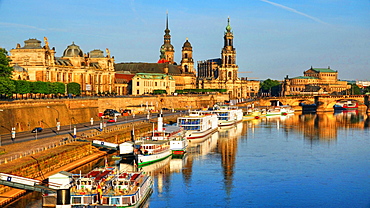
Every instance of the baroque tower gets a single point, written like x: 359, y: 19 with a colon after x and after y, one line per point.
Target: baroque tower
x: 169, y: 51
x: 229, y: 69
x: 187, y: 62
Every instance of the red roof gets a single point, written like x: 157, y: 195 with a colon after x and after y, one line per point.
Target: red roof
x: 161, y: 61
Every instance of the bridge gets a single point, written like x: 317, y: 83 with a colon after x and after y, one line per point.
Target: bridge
x: 323, y: 102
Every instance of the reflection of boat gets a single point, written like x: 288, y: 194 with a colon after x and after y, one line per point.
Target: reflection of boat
x: 150, y: 169
x: 308, y: 108
x: 177, y: 164
x: 345, y: 105
x: 198, y: 124
x: 205, y: 146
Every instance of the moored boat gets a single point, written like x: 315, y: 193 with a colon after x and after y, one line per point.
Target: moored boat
x: 150, y: 151
x: 104, y: 188
x: 228, y: 115
x: 253, y: 114
x: 346, y: 105
x: 198, y: 124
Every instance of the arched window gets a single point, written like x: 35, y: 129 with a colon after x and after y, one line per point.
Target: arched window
x: 186, y: 68
x: 229, y: 60
x: 229, y: 75
x: 186, y: 55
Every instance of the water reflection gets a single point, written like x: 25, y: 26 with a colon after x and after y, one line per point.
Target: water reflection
x: 227, y: 146
x: 223, y: 149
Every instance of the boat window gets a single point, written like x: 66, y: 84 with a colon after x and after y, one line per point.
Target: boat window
x: 115, y: 200
x: 76, y: 200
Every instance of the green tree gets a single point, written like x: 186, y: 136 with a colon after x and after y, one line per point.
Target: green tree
x: 22, y: 87
x: 39, y: 87
x: 367, y: 90
x: 74, y: 88
x: 355, y: 90
x: 7, y: 86
x: 56, y: 88
x: 5, y: 69
x: 270, y: 86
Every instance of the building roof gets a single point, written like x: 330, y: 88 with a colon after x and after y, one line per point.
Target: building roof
x: 73, y: 50
x: 304, y: 77
x: 153, y: 76
x: 148, y: 68
x: 325, y: 70
x: 32, y: 43
x: 122, y: 78
x: 18, y: 68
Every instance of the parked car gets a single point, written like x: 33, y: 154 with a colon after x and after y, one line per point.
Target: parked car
x: 111, y: 112
x: 111, y: 121
x: 37, y: 129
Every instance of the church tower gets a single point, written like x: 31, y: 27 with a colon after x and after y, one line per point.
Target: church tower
x: 187, y: 62
x: 229, y: 69
x: 168, y: 48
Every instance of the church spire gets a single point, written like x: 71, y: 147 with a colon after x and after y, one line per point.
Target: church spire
x: 167, y: 47
x: 167, y: 31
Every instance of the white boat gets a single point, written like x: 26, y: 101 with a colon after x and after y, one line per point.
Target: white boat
x: 280, y: 110
x: 228, y: 115
x: 108, y: 187
x: 198, y: 124
x: 346, y: 105
x: 175, y: 134
x: 150, y: 151
x: 253, y: 114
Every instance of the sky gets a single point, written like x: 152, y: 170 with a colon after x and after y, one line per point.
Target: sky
x: 272, y: 38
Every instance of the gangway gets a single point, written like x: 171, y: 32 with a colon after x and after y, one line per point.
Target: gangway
x: 108, y: 145
x: 28, y: 183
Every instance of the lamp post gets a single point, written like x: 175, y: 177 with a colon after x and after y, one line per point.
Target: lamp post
x: 57, y: 119
x: 13, y: 134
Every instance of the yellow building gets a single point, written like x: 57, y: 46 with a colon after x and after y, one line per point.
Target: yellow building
x: 315, y: 81
x: 94, y: 71
x: 146, y: 83
x: 222, y: 73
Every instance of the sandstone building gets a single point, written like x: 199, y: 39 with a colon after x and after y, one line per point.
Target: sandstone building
x: 94, y: 71
x: 315, y: 81
x: 184, y: 73
x: 222, y: 73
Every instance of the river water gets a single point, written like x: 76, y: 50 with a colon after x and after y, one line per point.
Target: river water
x: 302, y: 160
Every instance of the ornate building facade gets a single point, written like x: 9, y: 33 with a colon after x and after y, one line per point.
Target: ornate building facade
x: 94, y: 71
x: 222, y: 73
x: 183, y: 74
x: 146, y: 83
x: 315, y: 81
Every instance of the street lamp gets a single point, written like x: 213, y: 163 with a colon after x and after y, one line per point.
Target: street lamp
x: 57, y: 119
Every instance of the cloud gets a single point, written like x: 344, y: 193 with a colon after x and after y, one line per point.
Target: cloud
x: 295, y: 11
x: 20, y: 26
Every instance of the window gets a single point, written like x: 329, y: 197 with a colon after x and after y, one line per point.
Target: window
x: 155, y: 83
x: 137, y: 83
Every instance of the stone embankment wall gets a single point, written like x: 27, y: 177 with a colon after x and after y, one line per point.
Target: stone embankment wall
x: 25, y: 115
x: 51, y: 159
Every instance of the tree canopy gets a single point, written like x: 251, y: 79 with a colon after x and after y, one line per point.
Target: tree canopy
x: 268, y: 84
x: 74, y: 88
x: 5, y: 69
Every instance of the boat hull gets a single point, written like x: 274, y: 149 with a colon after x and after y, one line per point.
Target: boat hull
x: 143, y: 160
